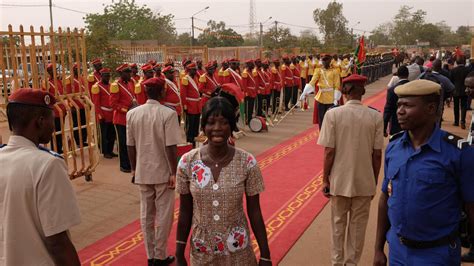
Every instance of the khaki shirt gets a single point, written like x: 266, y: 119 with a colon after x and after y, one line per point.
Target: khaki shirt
x: 151, y: 128
x: 354, y: 131
x: 37, y: 200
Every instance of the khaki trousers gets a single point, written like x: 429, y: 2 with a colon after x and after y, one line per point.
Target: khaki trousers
x: 357, y: 210
x: 156, y: 204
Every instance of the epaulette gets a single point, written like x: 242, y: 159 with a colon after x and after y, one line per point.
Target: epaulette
x: 95, y: 89
x: 254, y: 72
x: 114, y: 88
x: 203, y: 78
x: 396, y: 136
x: 373, y: 108
x: 283, y: 67
x: 455, y: 140
x: 68, y: 80
x: 91, y: 78
x: 184, y: 81
x: 226, y: 73
x: 292, y: 66
x: 55, y: 154
x: 138, y: 88
x: 3, y: 145
x: 220, y: 72
x: 274, y: 70
x: 245, y: 74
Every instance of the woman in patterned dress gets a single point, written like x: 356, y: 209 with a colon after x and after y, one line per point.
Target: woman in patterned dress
x: 211, y: 182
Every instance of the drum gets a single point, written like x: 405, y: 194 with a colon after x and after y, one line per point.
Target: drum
x: 258, y: 124
x: 184, y: 148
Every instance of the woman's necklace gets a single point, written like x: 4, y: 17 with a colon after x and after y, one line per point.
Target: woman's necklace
x: 216, y: 162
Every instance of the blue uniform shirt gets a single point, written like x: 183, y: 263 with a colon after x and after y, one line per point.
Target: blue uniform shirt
x: 426, y: 186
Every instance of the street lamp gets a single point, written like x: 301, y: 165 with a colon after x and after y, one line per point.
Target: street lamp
x: 261, y: 31
x: 352, y: 33
x: 192, y: 23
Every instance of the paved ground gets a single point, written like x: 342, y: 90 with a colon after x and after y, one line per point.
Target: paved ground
x: 111, y: 201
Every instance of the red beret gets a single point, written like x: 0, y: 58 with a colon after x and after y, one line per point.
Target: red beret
x: 152, y: 62
x: 225, y: 61
x: 35, y: 97
x: 233, y: 60
x: 75, y: 66
x: 199, y: 60
x: 157, y: 66
x: 169, y: 63
x: 167, y: 69
x: 49, y: 66
x: 355, y: 78
x: 154, y: 82
x: 147, y: 67
x: 258, y: 60
x: 233, y: 90
x: 265, y: 62
x: 210, y: 65
x: 250, y: 61
x: 190, y: 66
x: 185, y: 61
x: 96, y: 61
x: 123, y: 67
x: 104, y: 70
x: 276, y: 60
x: 133, y: 65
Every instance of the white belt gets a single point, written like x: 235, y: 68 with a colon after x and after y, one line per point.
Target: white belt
x: 253, y: 88
x: 206, y: 95
x: 193, y: 99
x: 106, y: 109
x: 289, y: 78
x: 327, y: 90
x: 172, y: 104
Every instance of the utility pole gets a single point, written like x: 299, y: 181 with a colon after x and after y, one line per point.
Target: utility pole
x: 276, y: 33
x: 51, y: 12
x: 261, y: 35
x: 192, y: 31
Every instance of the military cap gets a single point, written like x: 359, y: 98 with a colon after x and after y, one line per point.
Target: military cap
x: 266, y: 62
x: 419, y: 87
x: 185, y: 60
x: 33, y: 97
x: 355, y: 78
x: 49, y: 66
x: 147, y: 67
x: 233, y: 60
x: 210, y: 65
x: 191, y: 66
x: 168, y: 69
x: 76, y: 65
x: 152, y: 62
x: 134, y: 65
x: 250, y: 61
x: 285, y: 57
x: 258, y: 60
x: 96, y: 61
x: 154, y: 82
x: 104, y: 70
x: 276, y: 60
x: 123, y: 67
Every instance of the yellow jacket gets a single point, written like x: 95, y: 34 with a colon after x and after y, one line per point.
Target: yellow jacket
x: 327, y: 80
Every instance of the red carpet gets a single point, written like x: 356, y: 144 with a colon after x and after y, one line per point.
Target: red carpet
x: 291, y: 201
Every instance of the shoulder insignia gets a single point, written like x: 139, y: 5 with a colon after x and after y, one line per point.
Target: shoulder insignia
x: 245, y: 74
x: 254, y: 73
x: 226, y: 73
x: 396, y: 136
x: 91, y: 78
x: 373, y: 108
x: 203, y: 78
x: 3, y: 145
x: 138, y: 88
x: 184, y: 81
x: 55, y: 154
x: 283, y: 67
x: 220, y: 73
x: 68, y: 80
x: 455, y: 140
x: 274, y: 71
x: 114, y: 88
x: 95, y: 89
x: 292, y: 67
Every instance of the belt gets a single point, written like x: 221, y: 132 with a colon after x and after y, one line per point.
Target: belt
x: 449, y: 239
x: 206, y: 95
x: 193, y: 99
x: 327, y: 90
x: 106, y: 109
x: 172, y: 104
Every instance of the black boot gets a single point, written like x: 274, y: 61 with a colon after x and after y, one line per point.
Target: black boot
x: 151, y: 262
x: 166, y: 261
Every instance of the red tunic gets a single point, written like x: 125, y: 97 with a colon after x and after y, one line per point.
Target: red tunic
x: 77, y: 87
x: 101, y: 99
x: 296, y: 75
x: 276, y: 79
x: 122, y: 97
x: 190, y: 97
x: 172, y: 97
x: 207, y: 86
x: 235, y: 78
x: 250, y: 83
x: 56, y: 86
x: 259, y: 82
x: 268, y: 80
x: 287, y: 76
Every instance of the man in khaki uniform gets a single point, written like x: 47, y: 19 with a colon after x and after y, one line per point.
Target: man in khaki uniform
x: 37, y: 201
x: 353, y: 138
x: 152, y: 138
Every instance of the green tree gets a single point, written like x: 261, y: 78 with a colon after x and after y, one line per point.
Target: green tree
x: 280, y: 37
x: 408, y: 25
x: 332, y: 24
x: 381, y: 35
x: 308, y: 41
x: 183, y: 39
x: 218, y: 35
x: 464, y: 34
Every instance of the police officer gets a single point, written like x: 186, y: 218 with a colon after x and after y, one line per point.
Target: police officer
x: 38, y: 201
x: 427, y: 177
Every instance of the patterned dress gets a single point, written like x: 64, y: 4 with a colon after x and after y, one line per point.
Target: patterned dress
x: 220, y: 231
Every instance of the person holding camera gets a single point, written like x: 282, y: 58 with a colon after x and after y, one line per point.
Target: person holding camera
x: 352, y: 136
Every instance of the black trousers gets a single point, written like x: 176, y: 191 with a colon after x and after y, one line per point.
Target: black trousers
x: 460, y: 101
x: 310, y: 77
x: 249, y: 105
x: 82, y: 117
x: 294, y: 95
x: 59, y: 137
x: 322, y: 109
x: 275, y: 96
x: 107, y: 137
x: 303, y: 82
x: 192, y: 127
x: 263, y: 103
x: 122, y: 142
x: 287, y: 96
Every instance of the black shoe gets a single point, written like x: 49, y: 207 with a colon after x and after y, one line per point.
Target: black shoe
x: 166, y: 261
x: 151, y: 262
x: 455, y: 124
x: 463, y: 125
x: 468, y: 257
x: 114, y: 154
x: 125, y: 170
x: 108, y: 156
x: 287, y: 109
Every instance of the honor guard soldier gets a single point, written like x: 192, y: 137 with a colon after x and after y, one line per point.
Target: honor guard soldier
x: 184, y: 63
x: 277, y: 84
x: 77, y: 86
x: 56, y: 88
x: 268, y: 81
x: 135, y: 77
x: 303, y: 70
x: 428, y: 177
x: 191, y: 100
x: 260, y: 85
x: 223, y: 74
x: 199, y: 69
x: 140, y: 93
x: 104, y: 113
x: 39, y: 205
x: 152, y: 62
x: 288, y: 80
x: 95, y: 76
x: 311, y: 65
x: 250, y: 89
x: 207, y: 84
x: 122, y: 99
x: 172, y: 96
x: 157, y: 68
x: 234, y: 73
x: 295, y: 69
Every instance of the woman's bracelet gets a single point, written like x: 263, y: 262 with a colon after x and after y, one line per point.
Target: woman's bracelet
x: 180, y: 242
x: 265, y: 259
